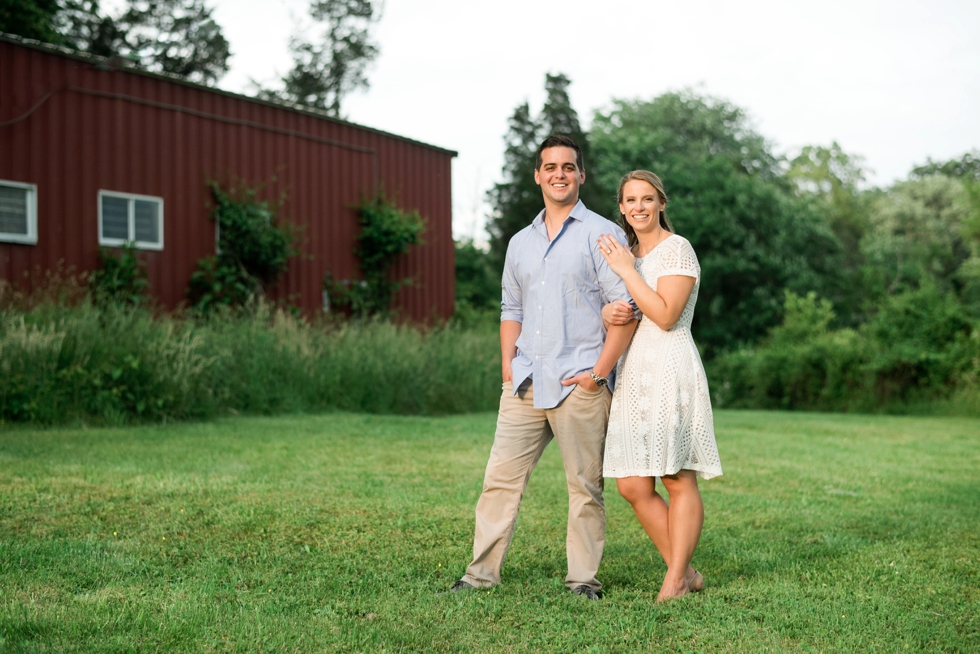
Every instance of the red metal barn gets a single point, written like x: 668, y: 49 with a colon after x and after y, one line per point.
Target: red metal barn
x: 93, y: 155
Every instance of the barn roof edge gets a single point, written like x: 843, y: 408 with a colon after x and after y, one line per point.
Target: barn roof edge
x: 96, y: 59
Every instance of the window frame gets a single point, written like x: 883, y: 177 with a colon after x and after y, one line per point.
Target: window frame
x: 131, y: 216
x: 30, y: 238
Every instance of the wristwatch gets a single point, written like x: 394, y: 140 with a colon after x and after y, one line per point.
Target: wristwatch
x: 601, y: 382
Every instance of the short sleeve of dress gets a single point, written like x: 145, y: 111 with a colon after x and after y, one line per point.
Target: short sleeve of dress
x: 678, y: 258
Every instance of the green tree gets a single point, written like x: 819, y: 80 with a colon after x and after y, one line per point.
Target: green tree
x: 970, y: 231
x: 833, y: 177
x: 966, y: 169
x: 830, y: 179
x: 517, y: 200
x: 920, y: 340
x: 77, y: 24
x: 179, y: 37
x: 84, y: 27
x: 559, y: 117
x: 728, y: 195
x: 477, y: 282
x: 31, y: 19
x: 166, y: 36
x: 916, y: 234
x: 327, y: 70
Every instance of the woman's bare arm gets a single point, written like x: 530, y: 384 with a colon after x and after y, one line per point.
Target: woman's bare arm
x: 663, y: 306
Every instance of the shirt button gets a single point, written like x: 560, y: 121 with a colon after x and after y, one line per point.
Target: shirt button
x: 539, y: 306
x: 538, y: 332
x: 542, y: 283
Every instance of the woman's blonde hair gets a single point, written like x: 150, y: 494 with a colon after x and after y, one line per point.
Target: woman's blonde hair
x: 654, y: 181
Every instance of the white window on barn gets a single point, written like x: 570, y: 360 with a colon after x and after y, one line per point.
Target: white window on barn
x: 125, y: 218
x: 18, y: 212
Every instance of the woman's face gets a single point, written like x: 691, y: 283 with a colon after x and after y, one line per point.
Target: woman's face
x: 641, y: 205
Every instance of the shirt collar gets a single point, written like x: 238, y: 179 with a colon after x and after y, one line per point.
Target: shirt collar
x: 578, y: 213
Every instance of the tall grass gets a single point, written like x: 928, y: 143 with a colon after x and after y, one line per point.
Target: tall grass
x: 64, y: 360
x: 115, y: 365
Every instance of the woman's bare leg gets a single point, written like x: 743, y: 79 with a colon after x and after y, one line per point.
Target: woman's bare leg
x: 650, y: 510
x: 653, y: 513
x: 685, y: 519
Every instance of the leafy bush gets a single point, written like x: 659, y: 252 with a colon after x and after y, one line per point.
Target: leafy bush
x: 120, y: 280
x: 219, y: 282
x: 802, y: 365
x: 921, y: 341
x: 919, y: 347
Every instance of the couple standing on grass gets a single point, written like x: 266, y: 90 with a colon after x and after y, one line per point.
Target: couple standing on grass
x: 571, y: 282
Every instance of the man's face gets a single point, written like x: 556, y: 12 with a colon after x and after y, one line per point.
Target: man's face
x: 559, y: 176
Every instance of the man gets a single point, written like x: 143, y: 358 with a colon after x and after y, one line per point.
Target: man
x: 556, y: 369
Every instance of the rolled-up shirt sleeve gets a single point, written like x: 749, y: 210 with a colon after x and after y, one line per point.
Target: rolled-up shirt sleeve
x: 511, y: 301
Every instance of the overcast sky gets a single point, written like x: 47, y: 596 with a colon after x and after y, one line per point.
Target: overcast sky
x: 894, y: 81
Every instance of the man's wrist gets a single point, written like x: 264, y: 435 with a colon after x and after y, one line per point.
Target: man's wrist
x: 601, y: 381
x: 601, y: 370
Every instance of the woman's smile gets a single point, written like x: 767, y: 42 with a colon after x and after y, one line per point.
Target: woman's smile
x: 641, y: 205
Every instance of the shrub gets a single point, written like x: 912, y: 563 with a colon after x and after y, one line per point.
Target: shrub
x: 917, y: 348
x: 120, y: 279
x: 920, y: 343
x: 802, y: 365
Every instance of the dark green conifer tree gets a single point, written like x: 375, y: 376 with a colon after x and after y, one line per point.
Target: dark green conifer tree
x: 517, y: 200
x: 328, y: 69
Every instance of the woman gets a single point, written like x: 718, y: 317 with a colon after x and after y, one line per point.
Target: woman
x: 660, y: 423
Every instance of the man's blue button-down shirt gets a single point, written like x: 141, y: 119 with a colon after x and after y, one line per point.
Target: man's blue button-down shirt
x: 556, y: 290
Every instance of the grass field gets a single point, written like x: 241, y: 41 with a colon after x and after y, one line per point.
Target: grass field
x: 340, y: 532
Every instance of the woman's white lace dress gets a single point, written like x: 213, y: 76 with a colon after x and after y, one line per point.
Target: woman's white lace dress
x: 660, y: 420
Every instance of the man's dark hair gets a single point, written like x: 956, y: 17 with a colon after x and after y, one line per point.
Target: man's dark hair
x: 560, y: 141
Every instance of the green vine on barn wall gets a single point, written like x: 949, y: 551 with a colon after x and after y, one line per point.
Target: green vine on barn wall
x: 387, y: 232
x: 253, y: 249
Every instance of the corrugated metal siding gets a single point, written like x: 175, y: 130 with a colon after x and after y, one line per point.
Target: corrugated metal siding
x: 123, y: 131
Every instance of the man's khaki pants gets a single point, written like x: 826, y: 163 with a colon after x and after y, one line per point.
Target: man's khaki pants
x: 579, y: 426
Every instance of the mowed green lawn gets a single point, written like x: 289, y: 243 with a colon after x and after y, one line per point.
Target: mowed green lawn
x: 342, y: 532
